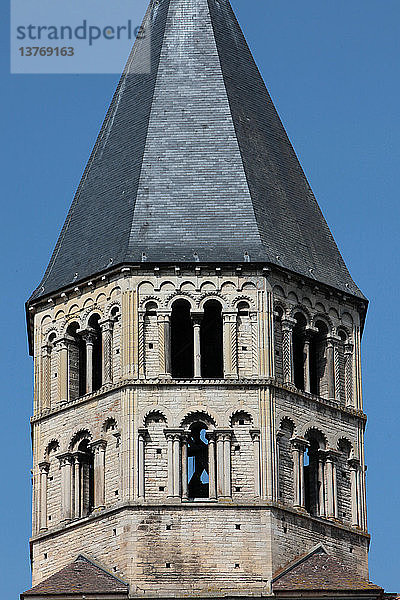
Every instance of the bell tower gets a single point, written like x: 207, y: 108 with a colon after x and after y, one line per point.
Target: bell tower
x: 198, y: 421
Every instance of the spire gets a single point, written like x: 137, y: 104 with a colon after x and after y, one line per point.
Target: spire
x: 192, y: 163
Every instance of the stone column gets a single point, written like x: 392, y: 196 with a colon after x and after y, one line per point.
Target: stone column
x: 331, y: 489
x: 174, y: 461
x: 227, y: 464
x: 46, y: 377
x: 287, y: 349
x: 308, y: 334
x: 321, y: 483
x: 212, y: 489
x: 107, y: 326
x: 177, y: 464
x: 66, y: 486
x: 298, y: 448
x: 184, y: 468
x: 255, y: 436
x: 142, y: 434
x: 44, y: 468
x: 99, y: 449
x: 336, y: 368
x: 254, y: 343
x: 63, y: 369
x: 89, y: 335
x: 348, y: 373
x: 230, y: 345
x: 330, y: 365
x: 220, y: 464
x: 164, y: 343
x: 197, y: 317
x: 354, y: 466
x: 77, y: 508
x: 223, y: 438
x: 141, y: 342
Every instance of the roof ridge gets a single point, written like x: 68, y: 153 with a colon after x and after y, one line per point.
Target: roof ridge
x: 83, y: 557
x: 317, y: 549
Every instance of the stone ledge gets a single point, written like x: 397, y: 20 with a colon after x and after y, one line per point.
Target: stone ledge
x: 198, y: 383
x: 195, y: 506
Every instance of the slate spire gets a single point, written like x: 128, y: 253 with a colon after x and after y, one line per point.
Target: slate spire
x: 192, y: 163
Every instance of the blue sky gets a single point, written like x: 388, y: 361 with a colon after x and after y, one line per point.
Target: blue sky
x: 332, y: 68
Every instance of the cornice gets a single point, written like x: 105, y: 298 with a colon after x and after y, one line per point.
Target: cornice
x: 141, y: 505
x: 255, y: 383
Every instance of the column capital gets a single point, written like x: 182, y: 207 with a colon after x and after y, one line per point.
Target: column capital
x: 63, y: 343
x: 173, y: 434
x: 98, y: 445
x: 348, y: 348
x: 46, y: 349
x: 65, y: 459
x: 310, y: 331
x: 224, y: 434
x: 87, y: 334
x: 255, y: 435
x: 142, y: 432
x: 353, y: 463
x: 107, y: 324
x: 197, y: 317
x: 44, y: 467
x: 333, y: 340
x: 210, y: 435
x: 288, y: 323
x: 299, y: 444
x: 331, y: 454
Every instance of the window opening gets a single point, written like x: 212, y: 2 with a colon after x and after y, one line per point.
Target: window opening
x: 181, y: 340
x: 198, y: 462
x: 211, y: 341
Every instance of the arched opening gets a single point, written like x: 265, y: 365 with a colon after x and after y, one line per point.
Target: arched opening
x: 181, y: 340
x: 298, y: 351
x: 313, y: 473
x: 86, y: 478
x: 198, y: 461
x: 77, y: 362
x: 211, y: 341
x: 318, y: 381
x: 97, y: 370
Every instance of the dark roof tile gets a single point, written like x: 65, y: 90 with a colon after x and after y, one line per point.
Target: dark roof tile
x: 193, y: 158
x: 80, y: 577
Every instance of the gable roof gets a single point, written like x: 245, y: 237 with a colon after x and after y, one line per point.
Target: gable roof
x: 318, y: 571
x: 83, y: 576
x: 192, y: 163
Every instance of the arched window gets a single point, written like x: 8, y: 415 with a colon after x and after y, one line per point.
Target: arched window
x: 77, y: 362
x: 318, y: 378
x: 97, y: 370
x: 181, y: 340
x: 86, y: 479
x: 211, y: 341
x: 313, y: 474
x: 298, y: 351
x: 198, y: 461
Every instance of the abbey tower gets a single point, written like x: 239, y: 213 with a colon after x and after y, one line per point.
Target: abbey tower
x: 198, y: 422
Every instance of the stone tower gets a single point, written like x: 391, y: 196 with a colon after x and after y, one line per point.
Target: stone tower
x: 198, y: 420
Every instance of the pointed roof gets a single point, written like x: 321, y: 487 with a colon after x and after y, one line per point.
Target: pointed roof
x: 83, y: 576
x: 317, y: 571
x: 192, y: 163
